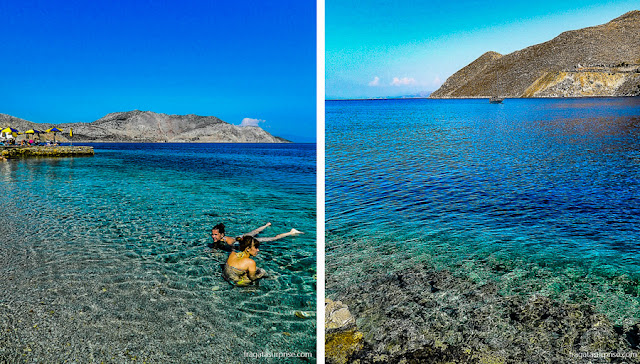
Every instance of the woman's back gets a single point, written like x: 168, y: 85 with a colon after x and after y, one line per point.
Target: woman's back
x: 240, y: 268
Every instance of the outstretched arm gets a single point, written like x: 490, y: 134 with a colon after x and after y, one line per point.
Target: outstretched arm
x: 257, y: 231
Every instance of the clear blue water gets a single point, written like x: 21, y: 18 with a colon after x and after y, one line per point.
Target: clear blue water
x: 119, y: 241
x: 546, y: 190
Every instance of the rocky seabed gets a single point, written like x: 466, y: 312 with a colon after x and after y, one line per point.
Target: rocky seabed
x: 431, y: 316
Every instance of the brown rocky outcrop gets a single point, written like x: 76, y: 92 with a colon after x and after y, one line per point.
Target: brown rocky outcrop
x: 603, y: 60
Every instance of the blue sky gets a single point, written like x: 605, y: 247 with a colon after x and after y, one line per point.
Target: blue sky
x: 382, y: 48
x: 77, y: 61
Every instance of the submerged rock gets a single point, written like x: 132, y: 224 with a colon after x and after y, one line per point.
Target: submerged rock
x: 431, y: 316
x: 303, y: 314
x: 337, y: 317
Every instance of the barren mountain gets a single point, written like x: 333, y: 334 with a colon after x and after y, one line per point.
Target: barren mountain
x: 603, y: 60
x: 147, y: 126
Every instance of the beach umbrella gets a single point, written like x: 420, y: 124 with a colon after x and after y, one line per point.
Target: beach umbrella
x: 34, y: 131
x: 54, y: 130
x: 9, y: 132
x: 38, y: 132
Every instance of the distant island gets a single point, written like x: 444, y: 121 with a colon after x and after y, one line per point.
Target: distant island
x: 420, y: 95
x: 603, y: 60
x: 151, y: 127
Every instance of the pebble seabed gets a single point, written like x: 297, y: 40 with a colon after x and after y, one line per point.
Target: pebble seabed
x: 435, y: 316
x: 135, y: 316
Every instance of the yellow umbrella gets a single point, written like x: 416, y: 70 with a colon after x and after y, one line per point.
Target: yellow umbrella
x: 9, y: 131
x: 33, y: 131
x: 54, y: 130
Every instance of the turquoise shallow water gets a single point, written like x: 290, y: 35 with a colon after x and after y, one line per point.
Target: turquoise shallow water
x: 118, y: 241
x: 540, y: 197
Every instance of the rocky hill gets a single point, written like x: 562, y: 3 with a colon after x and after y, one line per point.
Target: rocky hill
x: 603, y: 60
x: 147, y: 126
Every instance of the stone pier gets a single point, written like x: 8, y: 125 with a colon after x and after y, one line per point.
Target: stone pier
x: 45, y: 151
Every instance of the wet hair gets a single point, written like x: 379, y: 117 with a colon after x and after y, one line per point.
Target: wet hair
x: 247, y: 242
x: 219, y: 227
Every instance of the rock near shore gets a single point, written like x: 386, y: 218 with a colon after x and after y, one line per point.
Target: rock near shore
x: 342, y: 339
x: 603, y: 60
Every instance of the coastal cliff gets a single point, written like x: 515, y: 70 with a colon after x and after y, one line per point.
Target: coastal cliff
x: 151, y: 127
x: 603, y: 60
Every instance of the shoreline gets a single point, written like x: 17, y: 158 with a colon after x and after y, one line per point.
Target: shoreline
x: 484, y: 98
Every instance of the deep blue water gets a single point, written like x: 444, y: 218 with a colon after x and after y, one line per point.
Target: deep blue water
x: 128, y: 229
x: 548, y: 188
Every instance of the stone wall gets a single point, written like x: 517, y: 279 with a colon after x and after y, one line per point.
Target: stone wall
x: 49, y: 151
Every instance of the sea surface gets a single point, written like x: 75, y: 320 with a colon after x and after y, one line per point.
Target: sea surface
x: 105, y: 258
x: 536, y: 196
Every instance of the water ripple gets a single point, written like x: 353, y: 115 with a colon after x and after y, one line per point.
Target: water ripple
x: 115, y: 246
x: 548, y: 182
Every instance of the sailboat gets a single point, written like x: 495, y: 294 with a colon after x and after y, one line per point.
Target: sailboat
x: 495, y: 99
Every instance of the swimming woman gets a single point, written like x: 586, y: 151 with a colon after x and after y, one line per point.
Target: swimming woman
x: 219, y: 238
x: 240, y: 269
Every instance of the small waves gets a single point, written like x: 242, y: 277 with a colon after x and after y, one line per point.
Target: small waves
x: 543, y: 181
x: 117, y: 243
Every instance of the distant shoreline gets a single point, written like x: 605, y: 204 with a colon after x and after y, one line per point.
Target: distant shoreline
x: 378, y: 98
x: 486, y: 98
